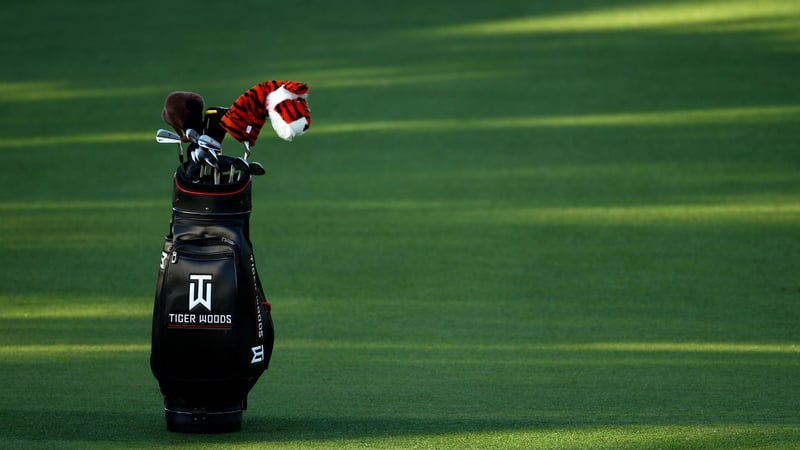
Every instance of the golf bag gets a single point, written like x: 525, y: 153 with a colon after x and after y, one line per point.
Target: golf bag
x: 212, y: 333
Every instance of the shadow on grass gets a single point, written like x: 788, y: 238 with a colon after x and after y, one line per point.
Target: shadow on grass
x: 97, y: 428
x: 48, y: 424
x: 149, y: 427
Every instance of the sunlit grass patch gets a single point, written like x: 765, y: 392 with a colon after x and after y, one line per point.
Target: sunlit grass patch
x: 37, y: 307
x: 71, y: 224
x: 78, y: 206
x: 389, y: 76
x: 714, y: 214
x: 621, y: 436
x: 684, y: 347
x: 685, y: 118
x: 779, y: 212
x: 522, y: 225
x: 14, y: 143
x: 744, y: 115
x: 652, y: 16
x: 43, y: 91
x: 39, y: 219
x: 9, y: 353
x: 639, y: 347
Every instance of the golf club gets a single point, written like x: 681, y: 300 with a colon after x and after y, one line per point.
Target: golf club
x: 209, y: 143
x: 246, y: 155
x: 231, y: 165
x: 194, y: 169
x: 246, y: 149
x: 192, y: 135
x: 240, y: 165
x: 209, y: 159
x: 257, y: 169
x: 213, y: 146
x: 198, y: 162
x: 168, y: 137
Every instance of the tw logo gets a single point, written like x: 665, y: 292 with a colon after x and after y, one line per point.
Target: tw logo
x: 258, y: 354
x: 200, y: 291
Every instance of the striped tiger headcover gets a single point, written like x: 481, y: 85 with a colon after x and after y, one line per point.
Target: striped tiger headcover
x: 283, y: 101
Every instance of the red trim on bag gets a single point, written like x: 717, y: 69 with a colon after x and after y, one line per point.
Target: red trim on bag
x: 200, y: 326
x: 211, y: 194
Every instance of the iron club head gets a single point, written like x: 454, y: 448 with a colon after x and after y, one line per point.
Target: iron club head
x: 192, y: 135
x: 167, y: 137
x: 208, y: 142
x: 239, y: 164
x: 206, y: 159
x: 257, y: 169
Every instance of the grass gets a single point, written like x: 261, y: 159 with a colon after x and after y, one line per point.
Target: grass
x: 566, y: 225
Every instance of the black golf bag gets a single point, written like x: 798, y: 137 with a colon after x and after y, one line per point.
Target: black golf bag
x: 212, y: 331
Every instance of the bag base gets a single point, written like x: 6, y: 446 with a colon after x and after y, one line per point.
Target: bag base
x: 184, y: 419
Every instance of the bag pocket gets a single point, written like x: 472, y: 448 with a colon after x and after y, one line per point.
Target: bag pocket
x: 196, y: 310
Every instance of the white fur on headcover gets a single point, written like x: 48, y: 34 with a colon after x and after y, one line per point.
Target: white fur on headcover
x: 286, y: 131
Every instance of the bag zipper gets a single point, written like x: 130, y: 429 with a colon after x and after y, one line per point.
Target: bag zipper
x: 213, y: 239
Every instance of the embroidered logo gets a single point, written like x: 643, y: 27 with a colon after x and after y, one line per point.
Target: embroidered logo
x: 200, y: 291
x: 258, y: 354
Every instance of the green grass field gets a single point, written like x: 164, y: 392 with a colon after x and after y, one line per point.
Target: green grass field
x: 512, y: 224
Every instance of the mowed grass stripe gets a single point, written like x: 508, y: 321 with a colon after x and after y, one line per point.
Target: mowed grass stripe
x: 533, y: 225
x: 636, y: 347
x: 698, y: 117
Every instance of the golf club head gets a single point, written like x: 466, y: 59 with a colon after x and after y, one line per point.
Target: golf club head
x: 167, y: 137
x: 232, y: 165
x: 192, y: 135
x: 257, y: 169
x: 227, y: 162
x: 240, y: 164
x: 191, y: 170
x: 208, y: 142
x: 208, y: 157
x: 194, y: 155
